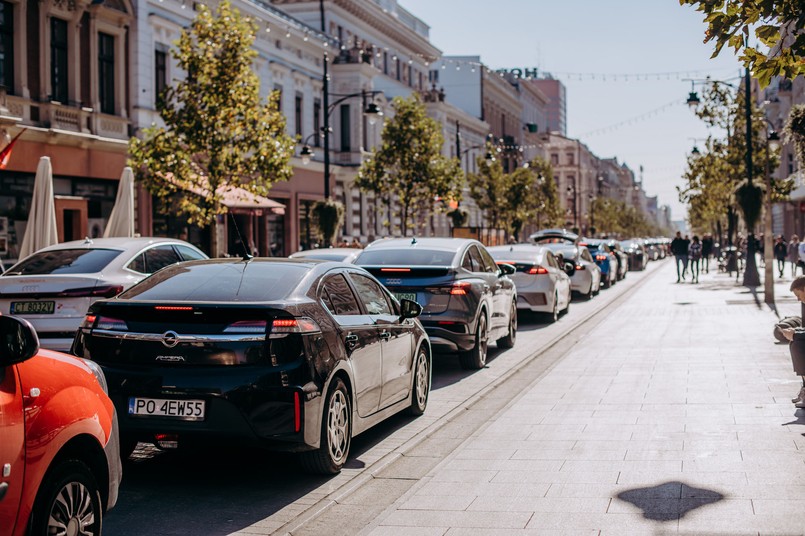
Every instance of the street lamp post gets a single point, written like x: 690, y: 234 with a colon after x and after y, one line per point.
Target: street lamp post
x: 772, y: 143
x: 751, y: 275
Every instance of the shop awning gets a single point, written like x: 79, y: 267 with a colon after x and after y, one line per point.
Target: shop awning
x: 233, y: 197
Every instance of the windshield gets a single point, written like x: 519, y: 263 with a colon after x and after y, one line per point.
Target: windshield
x: 219, y: 282
x: 517, y: 255
x: 65, y: 261
x: 406, y: 257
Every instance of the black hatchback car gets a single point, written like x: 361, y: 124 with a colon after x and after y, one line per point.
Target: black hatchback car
x: 467, y: 299
x: 297, y: 355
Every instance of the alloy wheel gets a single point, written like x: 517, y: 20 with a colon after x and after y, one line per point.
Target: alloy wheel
x: 73, y: 511
x: 338, y: 427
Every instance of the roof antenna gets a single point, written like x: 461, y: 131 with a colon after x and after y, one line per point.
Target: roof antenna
x: 246, y: 255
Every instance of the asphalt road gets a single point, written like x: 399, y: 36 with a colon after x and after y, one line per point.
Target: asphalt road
x: 224, y: 491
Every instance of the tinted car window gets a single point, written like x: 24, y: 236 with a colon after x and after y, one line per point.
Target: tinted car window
x: 219, y: 282
x: 189, y: 254
x: 338, y: 297
x: 372, y: 297
x: 159, y: 257
x: 65, y: 261
x: 489, y: 262
x: 138, y: 264
x: 466, y: 262
x: 477, y: 261
x: 586, y: 255
x: 406, y: 257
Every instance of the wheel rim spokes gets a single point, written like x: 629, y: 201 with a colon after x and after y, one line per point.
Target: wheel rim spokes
x: 422, y: 379
x: 338, y: 426
x: 72, y: 513
x: 482, y: 337
x: 514, y: 321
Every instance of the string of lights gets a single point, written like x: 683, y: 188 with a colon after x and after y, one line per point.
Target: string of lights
x: 632, y: 120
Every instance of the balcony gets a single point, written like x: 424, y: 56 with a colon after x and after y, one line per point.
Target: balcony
x: 57, y: 116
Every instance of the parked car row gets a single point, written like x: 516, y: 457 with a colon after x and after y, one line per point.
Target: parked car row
x: 298, y: 354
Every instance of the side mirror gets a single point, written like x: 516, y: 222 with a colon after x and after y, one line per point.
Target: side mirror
x: 570, y: 268
x: 506, y: 268
x: 409, y: 309
x: 18, y: 340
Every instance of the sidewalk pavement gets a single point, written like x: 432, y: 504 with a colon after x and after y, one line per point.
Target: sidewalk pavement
x: 673, y: 416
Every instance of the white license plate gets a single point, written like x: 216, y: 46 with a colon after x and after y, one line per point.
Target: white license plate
x: 187, y: 410
x: 406, y: 296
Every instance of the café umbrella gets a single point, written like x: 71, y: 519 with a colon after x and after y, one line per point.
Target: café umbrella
x: 41, y: 229
x: 121, y: 221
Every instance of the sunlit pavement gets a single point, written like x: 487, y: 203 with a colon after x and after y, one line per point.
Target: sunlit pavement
x: 673, y: 416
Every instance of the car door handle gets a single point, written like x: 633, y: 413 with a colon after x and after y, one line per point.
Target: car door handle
x: 385, y: 335
x: 351, y: 340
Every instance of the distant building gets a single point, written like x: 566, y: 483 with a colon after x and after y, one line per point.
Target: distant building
x: 557, y: 103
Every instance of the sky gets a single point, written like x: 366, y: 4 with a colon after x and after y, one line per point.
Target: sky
x: 623, y: 64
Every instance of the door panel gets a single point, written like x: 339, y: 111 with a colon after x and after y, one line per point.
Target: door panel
x: 12, y: 446
x: 397, y: 340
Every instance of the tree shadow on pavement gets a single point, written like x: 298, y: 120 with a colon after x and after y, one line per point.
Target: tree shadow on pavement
x: 669, y: 501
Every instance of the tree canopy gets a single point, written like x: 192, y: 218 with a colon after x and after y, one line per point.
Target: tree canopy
x: 409, y: 169
x: 776, y: 24
x: 218, y: 133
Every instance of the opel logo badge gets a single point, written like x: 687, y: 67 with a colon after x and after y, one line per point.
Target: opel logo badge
x: 170, y: 339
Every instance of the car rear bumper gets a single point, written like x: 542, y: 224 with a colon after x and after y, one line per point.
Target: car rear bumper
x: 534, y: 301
x: 442, y: 340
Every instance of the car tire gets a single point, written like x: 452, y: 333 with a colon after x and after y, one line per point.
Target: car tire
x: 475, y: 359
x: 68, y: 496
x: 567, y: 307
x: 590, y: 293
x: 421, y: 386
x: 553, y: 316
x: 511, y: 335
x: 608, y: 282
x: 336, y: 433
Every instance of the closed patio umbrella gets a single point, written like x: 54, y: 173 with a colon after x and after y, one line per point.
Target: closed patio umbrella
x: 41, y: 229
x: 121, y: 221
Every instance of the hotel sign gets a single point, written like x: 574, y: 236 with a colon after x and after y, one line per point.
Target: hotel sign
x: 526, y: 72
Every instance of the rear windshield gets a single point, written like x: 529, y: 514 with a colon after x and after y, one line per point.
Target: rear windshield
x: 406, y: 257
x: 219, y: 282
x: 65, y: 261
x: 566, y: 250
x: 323, y: 256
x: 533, y: 256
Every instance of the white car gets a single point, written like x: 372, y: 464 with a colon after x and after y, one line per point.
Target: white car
x: 54, y: 287
x: 542, y: 284
x: 586, y: 276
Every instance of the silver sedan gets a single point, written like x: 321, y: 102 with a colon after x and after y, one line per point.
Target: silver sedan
x: 541, y: 281
x: 586, y: 277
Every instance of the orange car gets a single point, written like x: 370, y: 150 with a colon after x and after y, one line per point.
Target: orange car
x: 59, y: 452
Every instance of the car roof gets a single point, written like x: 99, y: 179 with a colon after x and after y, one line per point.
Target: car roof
x: 319, y: 251
x: 121, y: 243
x: 555, y: 233
x: 447, y: 244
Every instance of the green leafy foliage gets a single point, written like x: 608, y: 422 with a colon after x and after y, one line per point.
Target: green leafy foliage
x: 777, y: 24
x: 328, y: 217
x: 218, y: 133
x: 794, y: 131
x: 409, y: 168
x: 614, y: 217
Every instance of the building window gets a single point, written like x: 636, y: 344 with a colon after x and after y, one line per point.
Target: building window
x: 399, y: 69
x: 106, y: 72
x: 7, y: 46
x: 570, y: 160
x: 345, y: 129
x: 58, y: 60
x: 421, y: 81
x: 385, y: 63
x: 554, y: 159
x: 160, y: 73
x: 410, y: 76
x: 317, y: 122
x: 298, y: 113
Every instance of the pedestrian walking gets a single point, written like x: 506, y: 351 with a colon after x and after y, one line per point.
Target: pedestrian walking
x: 780, y: 253
x: 707, y: 252
x: 793, y: 254
x: 797, y: 357
x: 695, y: 256
x: 679, y: 247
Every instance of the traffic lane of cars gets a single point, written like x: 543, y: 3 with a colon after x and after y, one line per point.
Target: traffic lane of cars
x: 165, y: 489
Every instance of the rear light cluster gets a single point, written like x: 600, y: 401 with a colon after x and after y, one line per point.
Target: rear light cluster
x: 537, y: 270
x: 459, y: 288
x: 579, y: 267
x: 600, y: 257
x: 246, y: 326
x: 105, y: 291
x: 107, y: 323
x: 281, y: 327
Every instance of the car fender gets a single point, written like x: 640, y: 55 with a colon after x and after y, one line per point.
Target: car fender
x: 313, y: 407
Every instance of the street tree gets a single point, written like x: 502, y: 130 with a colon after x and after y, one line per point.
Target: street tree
x: 488, y: 190
x: 794, y: 131
x: 218, y: 133
x: 409, y: 169
x: 549, y: 210
x: 777, y: 25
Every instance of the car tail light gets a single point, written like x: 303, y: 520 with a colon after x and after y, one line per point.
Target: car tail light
x: 579, y: 267
x: 88, y: 321
x: 104, y: 291
x: 246, y: 326
x: 395, y: 269
x: 297, y: 412
x: 284, y: 326
x: 110, y: 324
x: 460, y: 288
x: 173, y: 308
x: 600, y: 257
x: 537, y: 270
